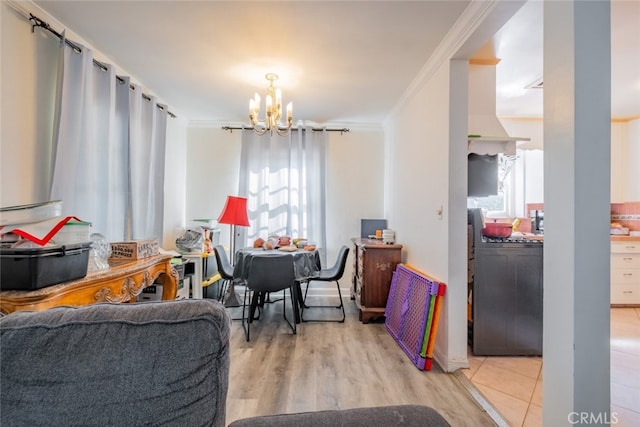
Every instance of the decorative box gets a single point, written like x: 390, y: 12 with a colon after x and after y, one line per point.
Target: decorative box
x: 135, y: 249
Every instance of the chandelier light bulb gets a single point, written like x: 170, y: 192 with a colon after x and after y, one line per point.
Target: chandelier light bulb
x: 289, y: 111
x: 269, y: 105
x: 257, y: 103
x: 273, y: 111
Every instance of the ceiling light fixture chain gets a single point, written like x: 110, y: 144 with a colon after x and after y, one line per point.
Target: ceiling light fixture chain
x: 273, y: 111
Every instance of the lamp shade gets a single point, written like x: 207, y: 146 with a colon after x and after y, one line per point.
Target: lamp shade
x: 234, y: 212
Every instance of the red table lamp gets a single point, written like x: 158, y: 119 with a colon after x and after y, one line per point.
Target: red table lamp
x: 234, y: 214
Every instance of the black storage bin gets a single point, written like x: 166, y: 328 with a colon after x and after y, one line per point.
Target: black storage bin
x: 35, y: 268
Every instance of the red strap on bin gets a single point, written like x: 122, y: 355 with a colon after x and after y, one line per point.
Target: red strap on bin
x: 48, y: 236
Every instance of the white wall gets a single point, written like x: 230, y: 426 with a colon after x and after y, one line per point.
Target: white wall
x: 417, y: 176
x: 213, y: 161
x: 577, y: 130
x: 355, y: 180
x: 27, y: 87
x: 418, y: 187
x: 355, y: 186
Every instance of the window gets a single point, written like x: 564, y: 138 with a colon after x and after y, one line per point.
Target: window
x: 283, y: 179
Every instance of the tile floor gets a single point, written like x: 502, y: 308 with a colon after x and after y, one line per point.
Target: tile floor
x: 513, y: 385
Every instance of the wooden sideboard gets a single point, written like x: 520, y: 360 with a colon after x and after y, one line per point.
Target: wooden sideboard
x: 373, y: 266
x: 122, y: 282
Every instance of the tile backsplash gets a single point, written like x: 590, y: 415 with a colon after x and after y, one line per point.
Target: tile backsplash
x: 624, y: 216
x: 627, y: 214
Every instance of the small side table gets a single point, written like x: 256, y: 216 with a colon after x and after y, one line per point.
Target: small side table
x: 200, y: 261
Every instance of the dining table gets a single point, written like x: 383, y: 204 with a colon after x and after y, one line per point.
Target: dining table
x: 306, y: 265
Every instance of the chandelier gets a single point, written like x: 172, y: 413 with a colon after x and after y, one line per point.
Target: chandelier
x: 273, y: 111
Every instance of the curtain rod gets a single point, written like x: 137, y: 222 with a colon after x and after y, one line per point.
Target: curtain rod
x: 37, y: 22
x: 341, y: 130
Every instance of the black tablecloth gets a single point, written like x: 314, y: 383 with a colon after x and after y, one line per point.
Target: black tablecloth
x: 306, y: 264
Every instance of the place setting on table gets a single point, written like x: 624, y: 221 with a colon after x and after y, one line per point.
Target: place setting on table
x: 306, y: 260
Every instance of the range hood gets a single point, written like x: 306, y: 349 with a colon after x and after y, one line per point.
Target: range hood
x: 486, y: 133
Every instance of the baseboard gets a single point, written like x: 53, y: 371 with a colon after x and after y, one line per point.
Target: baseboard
x: 497, y: 417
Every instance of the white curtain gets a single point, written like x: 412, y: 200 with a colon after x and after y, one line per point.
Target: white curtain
x: 95, y: 115
x: 147, y: 131
x: 283, y: 179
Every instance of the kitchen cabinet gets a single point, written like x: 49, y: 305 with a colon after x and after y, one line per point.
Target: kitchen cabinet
x: 625, y: 161
x: 631, y: 150
x: 625, y: 273
x: 507, y: 301
x: 373, y: 266
x: 617, y: 163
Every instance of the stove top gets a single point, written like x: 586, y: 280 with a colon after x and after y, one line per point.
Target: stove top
x: 517, y: 240
x: 510, y: 240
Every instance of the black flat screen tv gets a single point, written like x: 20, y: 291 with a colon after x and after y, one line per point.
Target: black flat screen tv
x: 368, y: 227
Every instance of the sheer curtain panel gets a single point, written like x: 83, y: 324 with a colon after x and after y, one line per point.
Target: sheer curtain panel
x: 109, y: 150
x: 283, y: 179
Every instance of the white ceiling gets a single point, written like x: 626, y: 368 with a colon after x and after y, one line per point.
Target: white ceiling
x: 519, y: 46
x: 339, y: 61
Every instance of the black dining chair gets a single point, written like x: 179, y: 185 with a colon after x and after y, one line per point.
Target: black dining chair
x: 226, y: 272
x: 333, y: 274
x: 268, y: 274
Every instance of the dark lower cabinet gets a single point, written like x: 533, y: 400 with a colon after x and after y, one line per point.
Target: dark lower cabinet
x: 507, y: 301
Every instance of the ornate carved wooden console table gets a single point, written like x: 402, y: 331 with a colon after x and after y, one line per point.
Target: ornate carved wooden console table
x: 122, y: 282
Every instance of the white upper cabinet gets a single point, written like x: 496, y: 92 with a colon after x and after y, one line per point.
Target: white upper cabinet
x: 631, y: 161
x: 625, y: 159
x: 617, y: 163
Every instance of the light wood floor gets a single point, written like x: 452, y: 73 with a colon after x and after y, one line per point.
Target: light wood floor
x: 334, y: 366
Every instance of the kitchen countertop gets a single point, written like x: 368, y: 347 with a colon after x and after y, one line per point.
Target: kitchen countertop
x: 525, y: 235
x: 624, y: 238
x: 614, y: 237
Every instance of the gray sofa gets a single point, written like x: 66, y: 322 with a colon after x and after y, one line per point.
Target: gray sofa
x: 384, y: 416
x: 156, y: 363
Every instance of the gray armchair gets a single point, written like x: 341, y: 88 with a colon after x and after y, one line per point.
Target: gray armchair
x: 156, y: 363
